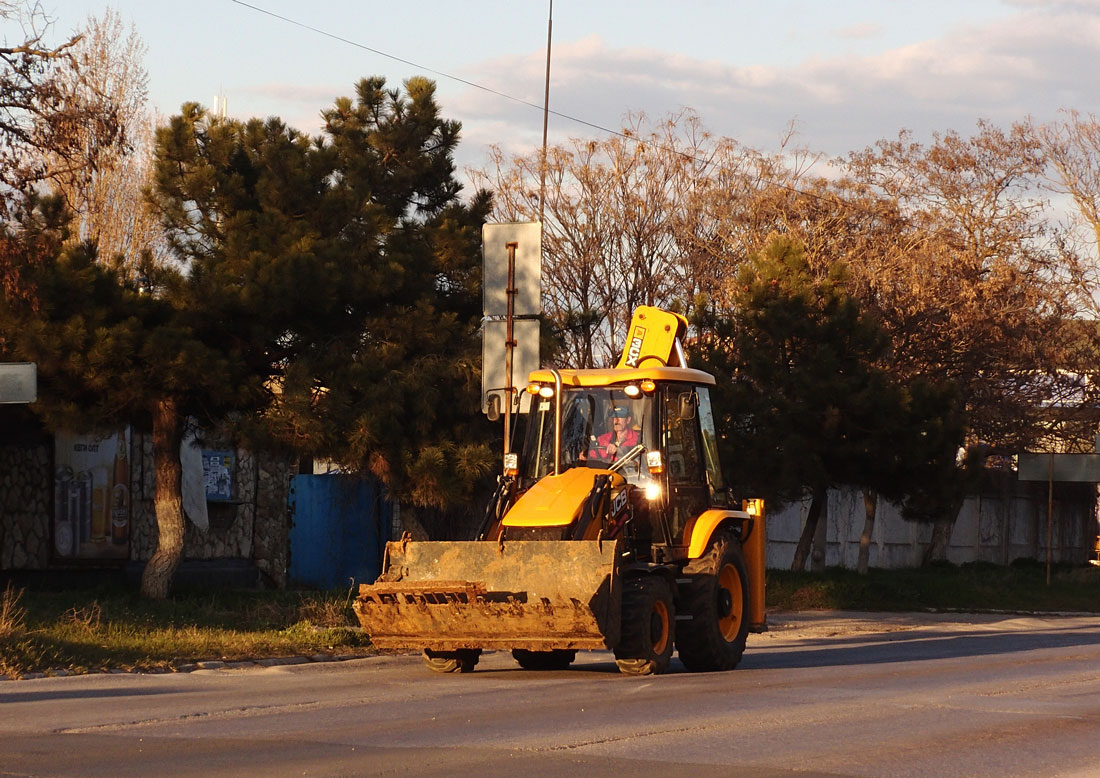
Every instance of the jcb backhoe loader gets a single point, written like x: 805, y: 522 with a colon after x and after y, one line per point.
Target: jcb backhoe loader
x: 612, y: 529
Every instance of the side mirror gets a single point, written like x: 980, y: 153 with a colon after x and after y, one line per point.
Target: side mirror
x: 494, y: 412
x: 688, y: 403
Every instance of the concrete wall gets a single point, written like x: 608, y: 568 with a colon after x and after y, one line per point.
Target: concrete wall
x: 1003, y: 523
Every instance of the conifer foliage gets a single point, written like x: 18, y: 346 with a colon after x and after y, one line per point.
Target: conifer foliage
x: 325, y: 295
x: 810, y: 396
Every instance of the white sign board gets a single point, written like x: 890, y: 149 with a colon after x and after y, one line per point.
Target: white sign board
x: 1077, y: 468
x: 525, y: 359
x: 528, y: 280
x: 18, y: 382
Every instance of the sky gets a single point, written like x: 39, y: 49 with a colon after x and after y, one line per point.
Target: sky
x: 843, y: 73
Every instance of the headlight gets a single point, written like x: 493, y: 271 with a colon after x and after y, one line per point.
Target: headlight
x: 652, y: 490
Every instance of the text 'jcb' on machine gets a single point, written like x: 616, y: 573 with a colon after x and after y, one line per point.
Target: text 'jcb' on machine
x: 612, y: 529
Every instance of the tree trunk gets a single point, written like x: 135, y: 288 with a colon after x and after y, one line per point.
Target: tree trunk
x: 156, y: 581
x: 941, y: 535
x: 802, y: 551
x: 870, y: 507
x: 820, y: 553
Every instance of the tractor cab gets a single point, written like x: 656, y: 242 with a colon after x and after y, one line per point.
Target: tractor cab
x: 648, y: 434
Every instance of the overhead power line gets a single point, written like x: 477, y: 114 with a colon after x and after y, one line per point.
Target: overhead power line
x: 425, y: 68
x: 498, y: 93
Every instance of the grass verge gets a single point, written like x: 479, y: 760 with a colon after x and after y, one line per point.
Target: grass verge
x: 114, y: 628
x: 1020, y: 586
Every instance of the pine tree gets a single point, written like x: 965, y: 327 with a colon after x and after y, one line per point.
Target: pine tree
x: 326, y: 296
x: 807, y: 393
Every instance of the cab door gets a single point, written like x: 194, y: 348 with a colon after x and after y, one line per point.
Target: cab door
x: 688, y: 489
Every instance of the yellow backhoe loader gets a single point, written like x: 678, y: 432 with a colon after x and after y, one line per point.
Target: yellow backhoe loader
x: 611, y: 529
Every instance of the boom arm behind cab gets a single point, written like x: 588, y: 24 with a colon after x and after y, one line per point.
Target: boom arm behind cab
x: 654, y: 336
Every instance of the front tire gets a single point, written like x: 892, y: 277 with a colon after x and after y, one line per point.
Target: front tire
x: 557, y: 659
x: 717, y: 600
x: 462, y: 660
x: 648, y: 621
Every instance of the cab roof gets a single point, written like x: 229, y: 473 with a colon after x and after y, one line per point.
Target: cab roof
x: 609, y: 376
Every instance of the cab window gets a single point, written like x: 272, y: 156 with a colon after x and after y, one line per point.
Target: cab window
x: 688, y: 494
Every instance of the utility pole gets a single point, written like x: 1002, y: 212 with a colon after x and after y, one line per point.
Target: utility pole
x: 545, y: 112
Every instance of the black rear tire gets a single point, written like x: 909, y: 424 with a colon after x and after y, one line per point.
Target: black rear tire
x: 557, y: 659
x: 462, y: 660
x: 648, y: 627
x: 717, y: 600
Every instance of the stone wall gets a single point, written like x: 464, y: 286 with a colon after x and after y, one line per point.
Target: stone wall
x: 271, y: 539
x: 253, y: 525
x: 26, y: 498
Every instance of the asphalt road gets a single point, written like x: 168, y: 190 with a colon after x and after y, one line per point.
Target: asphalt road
x: 833, y: 694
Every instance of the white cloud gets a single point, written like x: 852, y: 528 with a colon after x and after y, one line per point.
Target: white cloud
x: 860, y: 31
x: 1032, y: 63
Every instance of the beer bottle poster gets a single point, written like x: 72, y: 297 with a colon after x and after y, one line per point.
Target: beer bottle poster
x: 91, y: 515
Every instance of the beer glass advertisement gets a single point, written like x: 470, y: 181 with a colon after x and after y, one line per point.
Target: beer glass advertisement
x: 92, y: 496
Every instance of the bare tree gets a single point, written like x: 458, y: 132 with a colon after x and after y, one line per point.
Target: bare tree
x: 1072, y: 149
x: 952, y: 247
x: 43, y: 130
x: 617, y: 225
x: 104, y: 188
x: 985, y: 294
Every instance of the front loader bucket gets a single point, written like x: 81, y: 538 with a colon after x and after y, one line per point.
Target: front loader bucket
x: 537, y: 595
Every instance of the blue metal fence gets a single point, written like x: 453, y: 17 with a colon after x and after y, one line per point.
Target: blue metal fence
x: 339, y: 525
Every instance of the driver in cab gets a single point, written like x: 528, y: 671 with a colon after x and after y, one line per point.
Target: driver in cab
x: 619, y: 441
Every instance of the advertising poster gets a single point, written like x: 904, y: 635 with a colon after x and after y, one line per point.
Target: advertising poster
x: 92, y: 496
x: 217, y: 473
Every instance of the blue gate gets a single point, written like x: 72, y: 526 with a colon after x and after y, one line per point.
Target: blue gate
x: 339, y: 525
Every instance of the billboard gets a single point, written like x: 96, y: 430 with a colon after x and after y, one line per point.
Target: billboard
x: 1079, y: 468
x: 91, y: 514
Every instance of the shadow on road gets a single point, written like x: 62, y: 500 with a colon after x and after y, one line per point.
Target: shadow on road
x: 927, y: 644
x: 85, y: 694
x: 868, y: 648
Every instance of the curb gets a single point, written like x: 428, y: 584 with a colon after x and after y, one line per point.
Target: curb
x: 190, y: 667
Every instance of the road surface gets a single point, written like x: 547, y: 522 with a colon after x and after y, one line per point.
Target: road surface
x: 825, y: 694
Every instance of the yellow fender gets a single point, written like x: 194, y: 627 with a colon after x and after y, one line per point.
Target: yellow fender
x: 755, y: 547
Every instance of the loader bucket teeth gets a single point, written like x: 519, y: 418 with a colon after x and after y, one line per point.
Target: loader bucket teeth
x: 533, y: 595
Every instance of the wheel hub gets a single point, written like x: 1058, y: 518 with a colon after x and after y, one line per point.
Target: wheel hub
x: 725, y: 601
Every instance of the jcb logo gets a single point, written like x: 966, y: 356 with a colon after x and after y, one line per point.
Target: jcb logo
x: 619, y: 502
x: 634, y: 352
